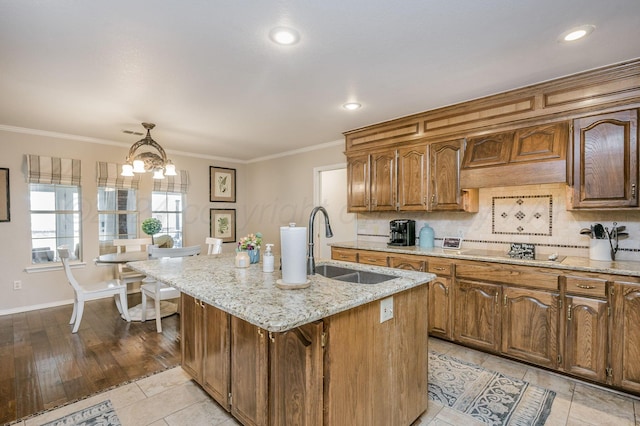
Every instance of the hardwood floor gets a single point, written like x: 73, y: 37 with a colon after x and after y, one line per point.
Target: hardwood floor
x: 44, y: 365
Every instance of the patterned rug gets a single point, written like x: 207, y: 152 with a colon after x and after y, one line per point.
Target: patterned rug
x: 101, y: 414
x: 488, y: 396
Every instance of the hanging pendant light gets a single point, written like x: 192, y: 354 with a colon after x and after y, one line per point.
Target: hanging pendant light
x: 148, y: 161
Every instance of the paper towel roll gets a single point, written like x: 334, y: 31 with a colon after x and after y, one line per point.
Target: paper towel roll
x: 293, y: 252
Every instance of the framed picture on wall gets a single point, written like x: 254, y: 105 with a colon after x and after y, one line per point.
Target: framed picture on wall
x: 5, y: 212
x: 222, y: 224
x: 222, y: 184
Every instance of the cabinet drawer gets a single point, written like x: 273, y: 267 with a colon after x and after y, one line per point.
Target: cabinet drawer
x: 508, y: 274
x: 373, y: 258
x: 346, y: 255
x: 439, y: 267
x: 411, y: 263
x: 584, y: 286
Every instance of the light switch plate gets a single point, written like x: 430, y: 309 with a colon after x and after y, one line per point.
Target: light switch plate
x: 386, y: 309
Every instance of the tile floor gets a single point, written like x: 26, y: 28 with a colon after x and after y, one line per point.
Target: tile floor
x: 171, y: 398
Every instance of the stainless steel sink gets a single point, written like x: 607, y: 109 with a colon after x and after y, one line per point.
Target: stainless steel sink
x: 352, y: 275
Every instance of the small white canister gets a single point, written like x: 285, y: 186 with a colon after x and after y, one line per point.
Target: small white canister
x: 600, y: 249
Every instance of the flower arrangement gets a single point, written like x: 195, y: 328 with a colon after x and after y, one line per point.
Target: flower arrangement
x: 250, y: 242
x: 151, y: 226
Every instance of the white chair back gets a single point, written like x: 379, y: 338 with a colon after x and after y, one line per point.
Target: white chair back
x: 133, y: 244
x: 157, y: 253
x: 63, y: 253
x: 215, y: 245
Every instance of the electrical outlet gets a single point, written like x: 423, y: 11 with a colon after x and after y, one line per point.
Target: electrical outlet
x: 386, y: 309
x: 17, y: 285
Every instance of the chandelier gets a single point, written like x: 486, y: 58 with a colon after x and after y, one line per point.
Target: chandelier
x: 148, y: 161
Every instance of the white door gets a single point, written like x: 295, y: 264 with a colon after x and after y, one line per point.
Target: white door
x: 330, y: 192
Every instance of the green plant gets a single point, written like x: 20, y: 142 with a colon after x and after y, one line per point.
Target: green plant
x: 151, y: 226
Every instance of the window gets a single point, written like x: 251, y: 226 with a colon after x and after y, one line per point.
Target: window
x: 55, y: 220
x: 117, y: 216
x: 167, y: 206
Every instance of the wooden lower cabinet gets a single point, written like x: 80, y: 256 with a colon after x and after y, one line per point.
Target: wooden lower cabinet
x: 530, y: 325
x: 206, y: 347
x: 441, y: 308
x: 625, y: 339
x: 586, y: 325
x: 249, y: 373
x: 477, y: 315
x: 297, y: 376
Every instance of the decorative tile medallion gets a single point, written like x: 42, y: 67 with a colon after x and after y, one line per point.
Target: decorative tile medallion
x: 522, y: 215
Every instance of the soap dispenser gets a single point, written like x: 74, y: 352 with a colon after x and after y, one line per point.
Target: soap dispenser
x: 426, y: 236
x: 267, y: 259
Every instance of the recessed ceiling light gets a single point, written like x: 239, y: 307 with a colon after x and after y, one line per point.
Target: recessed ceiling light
x: 284, y: 36
x: 576, y: 33
x: 351, y: 106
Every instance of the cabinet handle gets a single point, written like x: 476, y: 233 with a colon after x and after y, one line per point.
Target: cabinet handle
x: 569, y: 312
x: 496, y: 296
x: 446, y: 291
x: 433, y: 199
x: 633, y: 190
x: 504, y: 300
x: 260, y: 332
x: 201, y: 304
x: 586, y: 287
x: 439, y: 268
x: 425, y: 200
x: 273, y: 339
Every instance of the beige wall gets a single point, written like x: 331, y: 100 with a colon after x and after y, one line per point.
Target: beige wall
x: 41, y: 289
x: 282, y: 191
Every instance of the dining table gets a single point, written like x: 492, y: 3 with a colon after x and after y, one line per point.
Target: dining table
x: 135, y: 312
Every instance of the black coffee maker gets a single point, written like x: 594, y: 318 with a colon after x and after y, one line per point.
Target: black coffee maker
x: 403, y: 232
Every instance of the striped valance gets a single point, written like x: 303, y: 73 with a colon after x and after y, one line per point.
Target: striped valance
x: 52, y: 170
x: 108, y: 175
x: 179, y: 183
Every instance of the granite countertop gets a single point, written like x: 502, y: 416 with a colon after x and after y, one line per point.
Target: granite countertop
x: 627, y: 267
x: 250, y: 294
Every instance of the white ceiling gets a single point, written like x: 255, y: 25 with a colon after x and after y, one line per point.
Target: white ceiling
x: 206, y: 73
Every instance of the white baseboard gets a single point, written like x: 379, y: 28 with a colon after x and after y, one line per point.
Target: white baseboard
x: 36, y: 307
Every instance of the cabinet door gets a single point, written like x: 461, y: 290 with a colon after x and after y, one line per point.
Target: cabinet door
x: 358, y: 184
x: 249, y: 372
x: 217, y: 355
x: 605, y: 160
x: 440, y: 308
x: 530, y: 325
x: 383, y: 181
x: 191, y: 317
x: 540, y: 143
x: 586, y: 338
x: 477, y: 315
x: 625, y: 338
x: 444, y: 176
x: 296, y: 376
x: 488, y: 150
x: 412, y: 178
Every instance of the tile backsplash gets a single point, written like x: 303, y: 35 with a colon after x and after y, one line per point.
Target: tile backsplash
x: 524, y: 214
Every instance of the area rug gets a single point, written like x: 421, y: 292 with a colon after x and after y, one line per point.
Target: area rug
x: 101, y: 414
x: 488, y: 396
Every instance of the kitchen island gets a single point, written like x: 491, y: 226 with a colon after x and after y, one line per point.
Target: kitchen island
x: 319, y: 355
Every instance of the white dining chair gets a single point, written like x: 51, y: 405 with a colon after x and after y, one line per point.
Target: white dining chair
x: 159, y: 291
x: 85, y: 292
x: 215, y: 245
x: 123, y: 272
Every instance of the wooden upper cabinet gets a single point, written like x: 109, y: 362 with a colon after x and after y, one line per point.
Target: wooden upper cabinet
x: 488, y: 150
x: 444, y: 175
x: 540, y: 143
x: 358, y: 185
x: 412, y: 178
x: 605, y: 160
x: 383, y: 181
